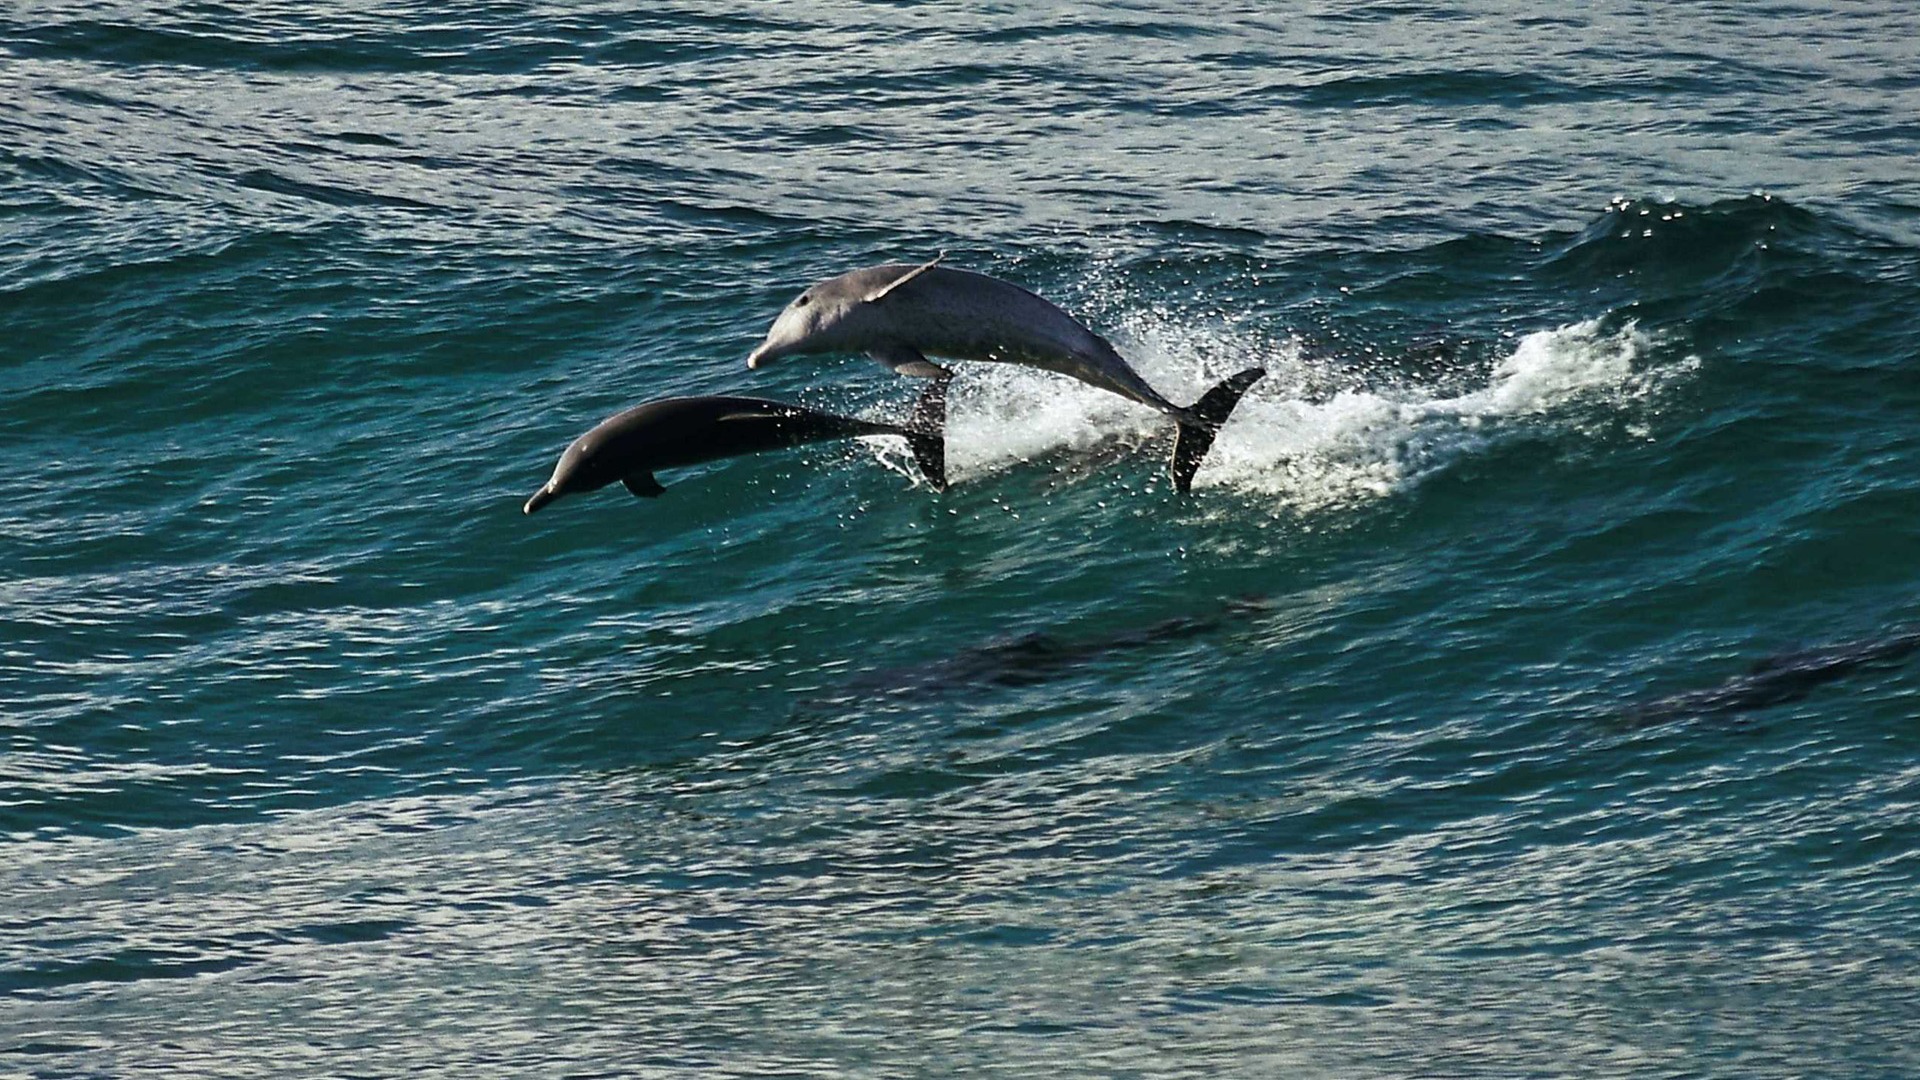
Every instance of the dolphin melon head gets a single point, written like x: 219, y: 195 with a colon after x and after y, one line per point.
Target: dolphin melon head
x: 814, y: 322
x: 835, y: 315
x: 582, y: 468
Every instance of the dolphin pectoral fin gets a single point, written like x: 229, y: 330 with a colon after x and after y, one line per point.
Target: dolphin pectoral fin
x: 643, y: 484
x: 927, y: 433
x: 906, y: 360
x: 1208, y: 414
x: 883, y: 291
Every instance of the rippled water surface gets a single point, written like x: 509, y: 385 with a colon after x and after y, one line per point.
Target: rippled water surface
x: 1524, y: 690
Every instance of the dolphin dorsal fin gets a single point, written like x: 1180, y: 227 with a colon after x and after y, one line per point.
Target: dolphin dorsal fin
x: 880, y: 293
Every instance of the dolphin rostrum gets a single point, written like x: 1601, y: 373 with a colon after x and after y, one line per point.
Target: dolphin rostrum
x: 670, y: 432
x: 899, y: 313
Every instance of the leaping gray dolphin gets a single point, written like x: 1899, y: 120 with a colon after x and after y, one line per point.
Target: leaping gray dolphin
x: 670, y: 432
x: 898, y: 313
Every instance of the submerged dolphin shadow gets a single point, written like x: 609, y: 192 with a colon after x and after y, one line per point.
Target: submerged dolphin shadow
x: 1029, y: 659
x: 1776, y: 679
x: 1037, y: 657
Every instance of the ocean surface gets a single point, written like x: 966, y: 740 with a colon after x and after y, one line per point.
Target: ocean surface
x: 1524, y: 690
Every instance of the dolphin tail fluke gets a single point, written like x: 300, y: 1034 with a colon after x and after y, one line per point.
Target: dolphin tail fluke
x: 1206, y: 417
x: 926, y: 433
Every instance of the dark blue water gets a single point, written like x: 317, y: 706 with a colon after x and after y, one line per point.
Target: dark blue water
x: 1524, y: 690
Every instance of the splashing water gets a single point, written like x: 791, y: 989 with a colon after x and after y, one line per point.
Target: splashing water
x: 1370, y: 443
x: 1306, y: 454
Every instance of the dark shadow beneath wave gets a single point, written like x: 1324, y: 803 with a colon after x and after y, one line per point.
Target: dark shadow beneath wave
x: 267, y: 180
x: 1776, y: 680
x: 1032, y: 658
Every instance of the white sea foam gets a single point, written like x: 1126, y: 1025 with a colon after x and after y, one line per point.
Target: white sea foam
x: 1304, y: 451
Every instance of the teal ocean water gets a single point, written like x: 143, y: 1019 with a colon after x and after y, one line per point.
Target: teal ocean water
x: 1524, y: 689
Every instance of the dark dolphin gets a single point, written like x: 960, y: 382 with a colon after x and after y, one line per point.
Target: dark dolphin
x: 1032, y: 658
x: 1778, y: 679
x: 670, y: 432
x: 898, y: 314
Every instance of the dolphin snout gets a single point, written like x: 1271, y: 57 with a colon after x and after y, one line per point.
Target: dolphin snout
x: 540, y: 498
x: 768, y: 351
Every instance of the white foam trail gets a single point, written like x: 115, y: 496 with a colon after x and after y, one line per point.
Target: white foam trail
x: 1304, y: 454
x: 1368, y: 444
